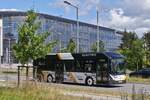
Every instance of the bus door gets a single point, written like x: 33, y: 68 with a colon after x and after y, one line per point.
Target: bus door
x: 59, y: 73
x: 102, y: 73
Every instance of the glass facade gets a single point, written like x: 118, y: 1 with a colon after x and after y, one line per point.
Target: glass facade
x: 61, y: 29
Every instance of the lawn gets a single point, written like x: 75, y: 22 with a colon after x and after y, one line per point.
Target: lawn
x: 34, y: 92
x: 43, y: 91
x: 138, y: 80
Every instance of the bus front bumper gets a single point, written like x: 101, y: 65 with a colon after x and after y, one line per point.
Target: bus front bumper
x: 117, y: 79
x: 117, y: 82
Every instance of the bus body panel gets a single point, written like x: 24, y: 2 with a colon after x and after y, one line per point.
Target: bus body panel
x: 78, y: 77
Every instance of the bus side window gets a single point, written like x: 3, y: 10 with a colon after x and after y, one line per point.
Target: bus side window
x: 64, y: 68
x: 90, y: 66
x: 79, y: 66
x: 69, y: 66
x: 94, y: 67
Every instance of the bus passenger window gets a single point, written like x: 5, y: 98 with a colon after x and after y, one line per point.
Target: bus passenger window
x: 64, y: 68
x: 69, y: 66
x: 79, y: 66
x: 88, y: 67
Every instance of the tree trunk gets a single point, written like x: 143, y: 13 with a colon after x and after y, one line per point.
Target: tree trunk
x: 137, y: 66
x: 18, y: 76
x: 27, y: 73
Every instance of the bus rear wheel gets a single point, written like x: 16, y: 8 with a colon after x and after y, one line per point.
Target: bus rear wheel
x: 39, y: 78
x: 49, y: 79
x: 89, y: 81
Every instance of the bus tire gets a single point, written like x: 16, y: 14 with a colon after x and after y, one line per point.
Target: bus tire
x: 49, y: 78
x: 89, y: 81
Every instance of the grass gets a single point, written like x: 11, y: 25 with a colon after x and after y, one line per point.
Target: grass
x: 138, y: 80
x: 10, y: 72
x: 43, y: 91
x: 13, y: 71
x: 34, y: 92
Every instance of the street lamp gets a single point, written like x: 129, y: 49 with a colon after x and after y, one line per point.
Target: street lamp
x: 77, y: 50
x: 97, y: 30
x: 60, y: 42
x: 1, y: 39
x: 9, y: 50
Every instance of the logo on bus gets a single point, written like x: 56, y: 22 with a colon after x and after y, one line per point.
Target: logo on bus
x: 88, y: 54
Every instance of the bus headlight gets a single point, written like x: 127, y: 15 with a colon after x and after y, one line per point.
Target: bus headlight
x: 118, y: 77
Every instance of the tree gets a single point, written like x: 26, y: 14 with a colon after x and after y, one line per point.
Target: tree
x: 146, y: 39
x: 128, y: 38
x: 101, y: 47
x: 133, y: 50
x: 138, y: 53
x: 71, y: 47
x: 31, y: 44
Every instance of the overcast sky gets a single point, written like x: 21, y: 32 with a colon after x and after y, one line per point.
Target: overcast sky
x: 118, y: 14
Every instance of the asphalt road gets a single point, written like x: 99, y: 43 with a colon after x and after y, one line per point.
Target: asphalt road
x: 128, y: 87
x: 115, y: 88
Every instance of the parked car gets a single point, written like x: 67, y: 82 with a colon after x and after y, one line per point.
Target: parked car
x: 144, y: 73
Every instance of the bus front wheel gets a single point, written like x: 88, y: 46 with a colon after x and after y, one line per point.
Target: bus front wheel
x: 89, y: 81
x: 49, y: 79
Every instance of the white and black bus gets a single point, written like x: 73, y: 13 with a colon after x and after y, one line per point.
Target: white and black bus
x: 84, y: 68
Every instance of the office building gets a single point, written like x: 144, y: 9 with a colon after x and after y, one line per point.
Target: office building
x: 62, y: 29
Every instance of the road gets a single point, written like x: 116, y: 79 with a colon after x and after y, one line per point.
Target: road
x: 12, y: 77
x: 116, y: 88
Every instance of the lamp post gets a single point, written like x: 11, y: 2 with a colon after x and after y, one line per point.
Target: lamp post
x: 1, y: 39
x: 66, y: 2
x: 60, y: 42
x: 97, y: 30
x: 9, y: 50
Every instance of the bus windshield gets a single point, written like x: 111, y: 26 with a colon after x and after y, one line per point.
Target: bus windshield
x: 117, y: 66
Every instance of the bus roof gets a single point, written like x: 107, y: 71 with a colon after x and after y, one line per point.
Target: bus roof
x: 92, y: 55
x: 65, y: 56
x: 113, y: 55
x: 88, y: 55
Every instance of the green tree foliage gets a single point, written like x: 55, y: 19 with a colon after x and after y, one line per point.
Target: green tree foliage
x: 31, y: 44
x: 71, y: 47
x: 133, y: 50
x: 128, y: 38
x: 134, y: 55
x: 146, y: 39
x: 101, y: 47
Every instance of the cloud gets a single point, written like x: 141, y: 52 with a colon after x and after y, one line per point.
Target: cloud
x: 60, y: 4
x: 141, y: 31
x: 87, y: 6
x: 118, y: 20
x: 84, y: 6
x: 12, y: 9
x: 132, y: 15
x: 136, y: 8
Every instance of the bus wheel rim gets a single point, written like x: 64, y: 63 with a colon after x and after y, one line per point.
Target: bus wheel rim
x: 49, y: 79
x: 89, y: 81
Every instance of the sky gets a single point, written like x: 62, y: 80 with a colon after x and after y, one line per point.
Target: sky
x: 132, y: 15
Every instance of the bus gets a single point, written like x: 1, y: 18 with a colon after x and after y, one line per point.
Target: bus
x: 82, y: 68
